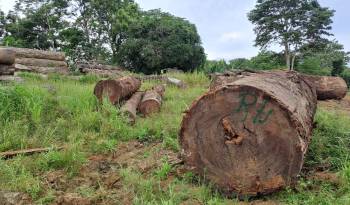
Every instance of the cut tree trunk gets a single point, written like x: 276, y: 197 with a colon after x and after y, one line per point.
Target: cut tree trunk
x: 41, y: 62
x: 104, y: 73
x: 7, y: 70
x: 10, y: 78
x: 328, y: 87
x: 250, y: 137
x: 84, y: 67
x: 40, y: 54
x: 130, y: 107
x: 42, y: 70
x: 7, y: 56
x: 178, y: 83
x: 116, y: 90
x: 151, y: 101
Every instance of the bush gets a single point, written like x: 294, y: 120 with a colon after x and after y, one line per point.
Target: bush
x: 346, y: 75
x: 312, y: 65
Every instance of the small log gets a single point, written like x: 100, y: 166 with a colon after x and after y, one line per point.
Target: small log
x: 7, y: 56
x: 130, y: 107
x: 40, y: 54
x: 11, y: 154
x: 328, y: 87
x: 41, y: 62
x: 151, y: 101
x: 250, y: 137
x: 116, y: 90
x: 7, y: 70
x: 42, y: 70
x: 85, y: 67
x: 10, y: 78
x: 104, y: 73
x: 178, y: 83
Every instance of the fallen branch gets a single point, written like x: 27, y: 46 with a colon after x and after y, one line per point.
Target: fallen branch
x: 11, y: 154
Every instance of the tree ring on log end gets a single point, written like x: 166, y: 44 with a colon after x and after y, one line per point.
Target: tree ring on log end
x: 243, y: 140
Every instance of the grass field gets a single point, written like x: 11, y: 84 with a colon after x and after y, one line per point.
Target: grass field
x: 60, y: 111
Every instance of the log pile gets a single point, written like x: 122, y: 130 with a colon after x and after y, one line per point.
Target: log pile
x: 39, y: 61
x: 7, y: 68
x: 126, y: 89
x: 250, y: 136
x: 105, y: 71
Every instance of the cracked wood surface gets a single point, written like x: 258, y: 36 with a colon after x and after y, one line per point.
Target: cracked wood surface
x: 250, y: 137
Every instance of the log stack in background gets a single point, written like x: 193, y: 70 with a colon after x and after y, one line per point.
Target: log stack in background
x: 105, y: 71
x: 249, y: 137
x: 39, y: 61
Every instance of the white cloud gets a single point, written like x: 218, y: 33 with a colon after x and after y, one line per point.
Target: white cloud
x: 231, y: 36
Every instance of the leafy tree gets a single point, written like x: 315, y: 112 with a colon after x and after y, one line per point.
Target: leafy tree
x: 266, y: 60
x: 160, y: 40
x: 212, y: 66
x: 290, y: 24
x: 239, y: 63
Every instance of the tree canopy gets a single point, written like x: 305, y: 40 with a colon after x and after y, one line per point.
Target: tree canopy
x: 290, y: 24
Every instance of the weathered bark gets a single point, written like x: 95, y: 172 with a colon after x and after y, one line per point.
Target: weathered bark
x: 7, y: 56
x: 33, y: 53
x: 104, y: 73
x: 151, y: 101
x: 116, y: 90
x: 41, y: 62
x: 250, y: 137
x: 130, y: 107
x: 7, y: 70
x: 42, y: 70
x: 328, y: 87
x: 10, y: 154
x: 85, y: 67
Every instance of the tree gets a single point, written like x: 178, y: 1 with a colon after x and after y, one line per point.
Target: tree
x: 160, y: 40
x: 290, y: 24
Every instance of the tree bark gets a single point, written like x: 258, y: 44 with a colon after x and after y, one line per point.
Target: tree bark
x: 33, y: 53
x: 328, y: 87
x: 41, y: 62
x: 151, y: 101
x: 7, y: 70
x: 250, y: 137
x: 130, y: 107
x: 178, y: 83
x: 116, y: 90
x: 7, y: 56
x: 287, y: 55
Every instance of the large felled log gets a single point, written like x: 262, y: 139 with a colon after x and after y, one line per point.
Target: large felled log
x: 250, y: 137
x: 7, y: 56
x: 117, y: 90
x: 7, y: 70
x: 151, y: 101
x: 41, y: 62
x: 328, y: 87
x: 173, y: 81
x: 130, y: 107
x: 33, y: 53
x: 42, y: 70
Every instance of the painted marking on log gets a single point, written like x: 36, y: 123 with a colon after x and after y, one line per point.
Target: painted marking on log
x: 244, y: 104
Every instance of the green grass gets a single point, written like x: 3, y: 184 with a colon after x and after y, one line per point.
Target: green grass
x: 60, y: 111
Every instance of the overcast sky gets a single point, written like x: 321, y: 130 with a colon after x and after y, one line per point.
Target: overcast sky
x: 223, y: 25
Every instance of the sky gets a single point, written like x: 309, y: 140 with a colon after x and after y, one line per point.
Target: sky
x: 223, y: 25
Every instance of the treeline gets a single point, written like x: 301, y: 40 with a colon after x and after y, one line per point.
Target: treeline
x: 104, y: 31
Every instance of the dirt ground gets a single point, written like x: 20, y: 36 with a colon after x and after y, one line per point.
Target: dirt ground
x: 341, y: 106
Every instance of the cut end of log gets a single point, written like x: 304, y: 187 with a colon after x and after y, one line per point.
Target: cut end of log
x: 149, y: 106
x: 250, y: 137
x: 7, y: 56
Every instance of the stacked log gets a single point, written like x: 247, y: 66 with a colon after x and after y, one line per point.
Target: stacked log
x: 250, y: 137
x: 7, y: 70
x: 125, y: 89
x: 327, y: 87
x: 39, y: 61
x: 100, y: 70
x: 152, y: 101
x: 116, y: 90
